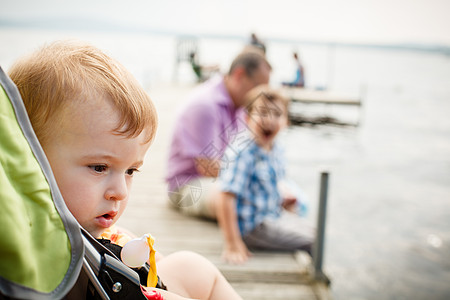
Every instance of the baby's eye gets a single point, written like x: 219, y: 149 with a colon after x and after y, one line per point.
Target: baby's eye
x: 131, y: 171
x: 99, y: 168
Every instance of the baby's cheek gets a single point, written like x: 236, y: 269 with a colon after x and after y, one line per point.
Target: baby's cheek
x: 123, y: 205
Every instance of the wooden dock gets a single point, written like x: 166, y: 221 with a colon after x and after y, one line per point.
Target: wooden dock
x: 267, y: 275
x: 303, y: 96
x: 320, y: 96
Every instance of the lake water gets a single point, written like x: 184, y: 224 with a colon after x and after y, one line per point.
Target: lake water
x: 388, y: 217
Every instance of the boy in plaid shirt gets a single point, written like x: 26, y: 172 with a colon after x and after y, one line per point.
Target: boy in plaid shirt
x: 255, y: 210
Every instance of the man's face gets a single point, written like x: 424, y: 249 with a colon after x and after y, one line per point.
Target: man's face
x: 94, y: 166
x: 261, y: 76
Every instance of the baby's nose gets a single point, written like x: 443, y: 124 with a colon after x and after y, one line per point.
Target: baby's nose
x: 118, y: 189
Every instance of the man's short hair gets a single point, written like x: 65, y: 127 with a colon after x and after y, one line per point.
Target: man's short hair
x: 250, y: 59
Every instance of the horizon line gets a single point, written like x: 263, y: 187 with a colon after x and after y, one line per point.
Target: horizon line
x: 108, y: 26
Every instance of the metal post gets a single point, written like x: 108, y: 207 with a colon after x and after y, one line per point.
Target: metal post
x: 321, y: 221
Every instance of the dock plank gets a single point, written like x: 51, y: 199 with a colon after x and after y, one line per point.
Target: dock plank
x: 265, y: 291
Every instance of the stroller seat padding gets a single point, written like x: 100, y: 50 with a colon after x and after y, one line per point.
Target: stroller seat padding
x: 40, y: 243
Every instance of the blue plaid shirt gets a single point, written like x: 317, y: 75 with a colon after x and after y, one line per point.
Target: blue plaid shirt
x: 251, y: 174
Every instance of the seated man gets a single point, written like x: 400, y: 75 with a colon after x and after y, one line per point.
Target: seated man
x: 212, y: 118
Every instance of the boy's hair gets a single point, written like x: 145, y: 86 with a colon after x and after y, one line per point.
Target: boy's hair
x: 269, y: 94
x: 51, y: 79
x: 250, y: 59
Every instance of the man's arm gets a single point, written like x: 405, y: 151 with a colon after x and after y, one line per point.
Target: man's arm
x: 235, y: 251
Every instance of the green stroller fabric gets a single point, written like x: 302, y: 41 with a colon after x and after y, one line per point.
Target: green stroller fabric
x: 41, y: 248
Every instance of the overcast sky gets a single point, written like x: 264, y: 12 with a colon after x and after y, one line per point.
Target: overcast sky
x: 385, y: 21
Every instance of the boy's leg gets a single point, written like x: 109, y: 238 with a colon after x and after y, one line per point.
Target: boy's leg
x: 191, y: 275
x: 289, y: 232
x: 196, y: 198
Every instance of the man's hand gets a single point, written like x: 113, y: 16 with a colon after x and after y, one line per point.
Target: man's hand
x: 207, y: 167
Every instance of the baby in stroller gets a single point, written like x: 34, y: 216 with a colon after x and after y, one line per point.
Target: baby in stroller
x: 95, y: 124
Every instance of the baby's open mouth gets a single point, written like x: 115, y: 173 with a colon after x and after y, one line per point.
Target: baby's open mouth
x: 109, y: 215
x: 107, y: 220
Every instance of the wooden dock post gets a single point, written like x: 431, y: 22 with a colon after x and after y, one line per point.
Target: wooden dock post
x: 321, y: 222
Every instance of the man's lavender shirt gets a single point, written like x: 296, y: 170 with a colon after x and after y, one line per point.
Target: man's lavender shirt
x: 204, y: 127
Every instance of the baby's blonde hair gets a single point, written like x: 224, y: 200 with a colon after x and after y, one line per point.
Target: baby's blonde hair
x: 57, y: 75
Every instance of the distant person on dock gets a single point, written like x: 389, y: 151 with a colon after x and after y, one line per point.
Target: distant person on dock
x: 212, y: 117
x: 256, y: 209
x: 257, y: 42
x: 299, y: 80
x: 203, y: 72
